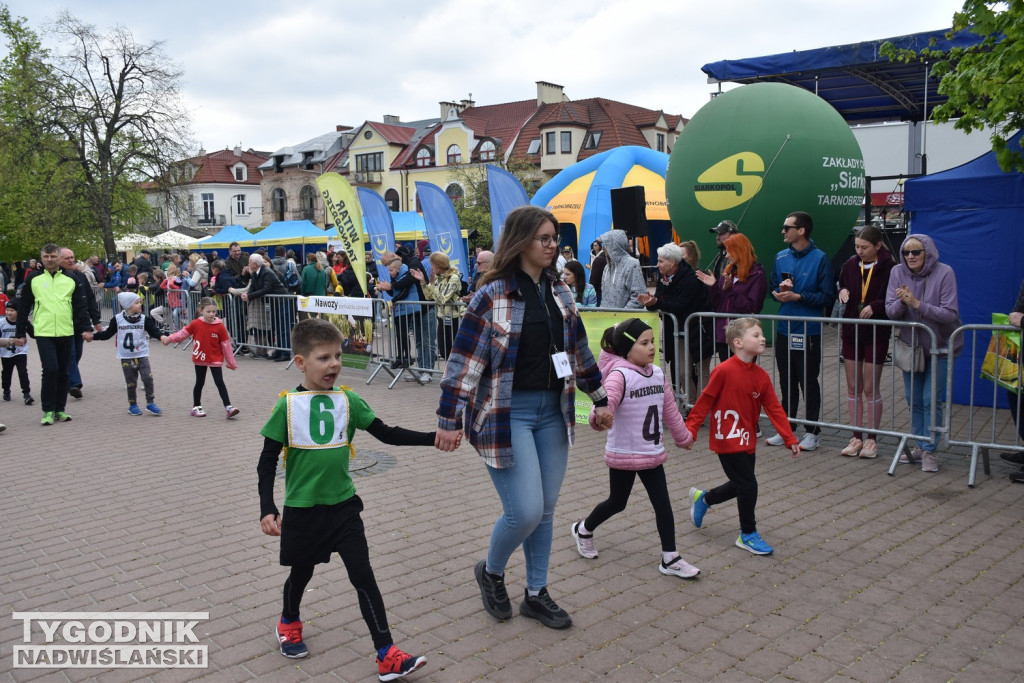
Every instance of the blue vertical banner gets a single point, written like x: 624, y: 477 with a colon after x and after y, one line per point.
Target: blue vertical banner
x: 506, y: 193
x: 442, y: 223
x: 380, y: 228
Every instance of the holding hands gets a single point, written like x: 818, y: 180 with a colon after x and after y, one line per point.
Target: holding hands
x: 447, y: 439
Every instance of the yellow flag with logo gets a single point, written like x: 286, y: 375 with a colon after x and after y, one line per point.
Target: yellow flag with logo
x: 343, y: 209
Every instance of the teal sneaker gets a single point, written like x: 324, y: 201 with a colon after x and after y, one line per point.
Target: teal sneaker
x: 62, y: 416
x: 697, y: 507
x: 47, y: 419
x: 754, y: 543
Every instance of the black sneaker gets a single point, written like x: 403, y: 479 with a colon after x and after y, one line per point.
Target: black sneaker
x: 543, y: 609
x: 29, y: 400
x: 75, y: 392
x: 7, y: 396
x: 1015, y: 457
x: 493, y: 593
x: 1017, y: 476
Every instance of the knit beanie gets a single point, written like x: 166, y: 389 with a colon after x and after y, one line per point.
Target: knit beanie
x: 626, y: 333
x: 126, y: 299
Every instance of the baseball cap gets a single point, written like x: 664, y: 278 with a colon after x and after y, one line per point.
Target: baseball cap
x: 724, y: 227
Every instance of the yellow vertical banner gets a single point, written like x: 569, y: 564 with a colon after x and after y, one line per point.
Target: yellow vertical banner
x: 596, y: 321
x: 342, y: 206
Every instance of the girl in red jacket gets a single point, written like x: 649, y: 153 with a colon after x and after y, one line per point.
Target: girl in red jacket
x: 211, y: 348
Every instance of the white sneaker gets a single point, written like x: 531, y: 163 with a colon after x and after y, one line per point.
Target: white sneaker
x: 809, y: 442
x: 929, y: 462
x: 776, y: 440
x: 678, y: 567
x: 854, y: 448
x: 584, y: 543
x: 425, y: 377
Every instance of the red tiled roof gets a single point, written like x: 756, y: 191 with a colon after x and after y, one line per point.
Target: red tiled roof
x: 620, y: 123
x: 216, y: 167
x: 500, y: 122
x: 393, y: 134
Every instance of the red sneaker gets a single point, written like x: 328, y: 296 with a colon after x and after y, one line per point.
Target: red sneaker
x: 397, y: 664
x: 290, y: 637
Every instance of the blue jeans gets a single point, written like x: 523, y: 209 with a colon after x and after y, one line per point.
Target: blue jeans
x: 426, y: 342
x: 918, y: 390
x: 529, y: 489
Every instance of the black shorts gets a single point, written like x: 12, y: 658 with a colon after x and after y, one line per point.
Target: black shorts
x: 310, y: 535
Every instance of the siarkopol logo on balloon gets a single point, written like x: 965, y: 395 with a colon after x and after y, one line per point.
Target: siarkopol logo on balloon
x: 757, y: 153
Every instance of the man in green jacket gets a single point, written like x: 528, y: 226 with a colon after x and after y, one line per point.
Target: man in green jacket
x: 58, y: 304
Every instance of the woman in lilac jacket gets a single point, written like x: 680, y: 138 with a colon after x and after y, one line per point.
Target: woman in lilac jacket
x: 740, y: 290
x: 923, y: 290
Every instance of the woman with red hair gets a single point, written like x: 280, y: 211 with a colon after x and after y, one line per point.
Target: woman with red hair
x: 741, y: 289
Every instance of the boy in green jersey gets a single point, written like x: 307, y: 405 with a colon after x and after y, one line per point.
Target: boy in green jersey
x: 314, y: 425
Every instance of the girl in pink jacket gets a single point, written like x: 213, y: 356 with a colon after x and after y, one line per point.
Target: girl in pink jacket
x: 644, y: 407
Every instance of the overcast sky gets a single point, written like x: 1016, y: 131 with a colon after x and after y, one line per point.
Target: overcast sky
x: 270, y: 74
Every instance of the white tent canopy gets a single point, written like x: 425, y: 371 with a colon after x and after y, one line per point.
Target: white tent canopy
x: 166, y: 240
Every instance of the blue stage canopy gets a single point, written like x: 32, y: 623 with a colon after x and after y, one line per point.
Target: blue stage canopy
x: 856, y: 79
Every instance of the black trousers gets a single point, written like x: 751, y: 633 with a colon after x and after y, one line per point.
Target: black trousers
x: 218, y: 379
x: 742, y: 486
x: 620, y: 483
x: 798, y: 371
x: 1012, y: 396
x: 348, y: 538
x: 54, y: 356
x: 19, y: 362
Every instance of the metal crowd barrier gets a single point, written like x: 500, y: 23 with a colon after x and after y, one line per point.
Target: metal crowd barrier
x: 896, y: 420
x: 981, y: 427
x: 413, y: 340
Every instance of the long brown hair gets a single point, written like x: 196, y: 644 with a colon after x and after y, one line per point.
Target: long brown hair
x: 520, y: 225
x: 741, y: 258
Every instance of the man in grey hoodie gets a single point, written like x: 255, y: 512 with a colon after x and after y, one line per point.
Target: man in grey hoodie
x: 623, y: 280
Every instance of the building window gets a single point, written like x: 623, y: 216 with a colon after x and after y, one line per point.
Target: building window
x: 307, y: 202
x: 424, y: 158
x: 158, y: 215
x: 549, y: 143
x: 208, y: 213
x: 369, y: 162
x: 391, y: 199
x: 279, y: 204
x: 593, y: 140
x: 454, y: 154
x: 487, y: 150
x: 240, y: 208
x: 240, y: 173
x: 455, y: 192
x: 661, y: 142
x: 534, y: 146
x: 566, y: 142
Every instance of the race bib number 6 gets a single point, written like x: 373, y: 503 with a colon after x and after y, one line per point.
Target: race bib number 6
x: 318, y: 419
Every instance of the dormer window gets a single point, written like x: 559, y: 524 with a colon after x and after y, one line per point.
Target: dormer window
x: 487, y: 150
x: 424, y: 158
x: 307, y: 160
x: 454, y: 154
x: 534, y: 146
x: 241, y: 173
x: 593, y: 140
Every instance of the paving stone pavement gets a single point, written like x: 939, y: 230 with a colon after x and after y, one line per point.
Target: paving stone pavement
x: 913, y: 577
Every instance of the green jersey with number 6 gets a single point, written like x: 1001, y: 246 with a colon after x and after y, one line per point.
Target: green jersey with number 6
x: 317, y: 429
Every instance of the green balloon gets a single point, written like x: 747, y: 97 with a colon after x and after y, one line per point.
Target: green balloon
x: 755, y: 154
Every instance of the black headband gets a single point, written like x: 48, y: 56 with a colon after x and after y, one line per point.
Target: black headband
x: 626, y: 333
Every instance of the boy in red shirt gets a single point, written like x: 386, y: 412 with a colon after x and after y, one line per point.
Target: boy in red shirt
x: 734, y: 396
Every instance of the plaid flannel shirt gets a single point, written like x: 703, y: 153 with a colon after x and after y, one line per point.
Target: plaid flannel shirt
x: 478, y: 377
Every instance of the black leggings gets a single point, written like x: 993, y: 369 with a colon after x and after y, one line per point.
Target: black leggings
x: 742, y: 486
x: 371, y: 604
x: 621, y: 484
x: 218, y: 379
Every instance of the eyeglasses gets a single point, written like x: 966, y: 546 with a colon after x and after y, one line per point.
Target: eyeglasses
x: 547, y: 240
x: 913, y: 252
x: 789, y: 227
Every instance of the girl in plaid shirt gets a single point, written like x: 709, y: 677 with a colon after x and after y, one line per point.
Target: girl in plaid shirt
x: 519, y: 352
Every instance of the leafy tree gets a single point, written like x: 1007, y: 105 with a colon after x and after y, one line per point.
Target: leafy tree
x: 474, y: 209
x: 984, y: 82
x: 113, y: 104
